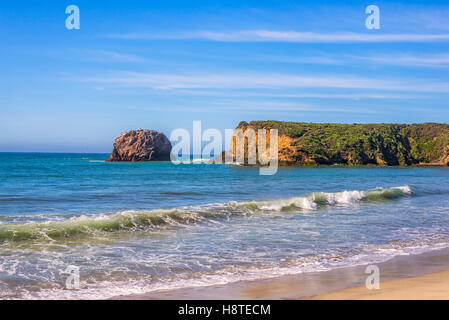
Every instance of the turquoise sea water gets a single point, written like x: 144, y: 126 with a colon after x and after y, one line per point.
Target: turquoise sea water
x: 138, y: 227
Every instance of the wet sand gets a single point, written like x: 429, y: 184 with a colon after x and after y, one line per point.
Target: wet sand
x: 434, y: 286
x: 421, y: 276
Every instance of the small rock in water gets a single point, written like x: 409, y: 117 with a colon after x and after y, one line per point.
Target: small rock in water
x: 141, y: 145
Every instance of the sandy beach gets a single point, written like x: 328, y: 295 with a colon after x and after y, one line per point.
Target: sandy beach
x: 434, y: 286
x: 420, y: 276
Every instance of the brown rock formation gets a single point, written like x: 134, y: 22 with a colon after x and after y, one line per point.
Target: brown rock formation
x: 446, y: 156
x: 286, y: 145
x: 141, y: 145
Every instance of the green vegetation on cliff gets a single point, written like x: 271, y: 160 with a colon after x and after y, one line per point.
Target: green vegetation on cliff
x: 356, y: 144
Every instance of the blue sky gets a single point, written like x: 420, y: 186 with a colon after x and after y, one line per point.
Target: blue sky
x: 162, y: 64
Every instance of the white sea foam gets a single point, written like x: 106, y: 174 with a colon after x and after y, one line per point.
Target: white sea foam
x: 135, y: 220
x: 312, y: 201
x: 240, y: 267
x: 200, y: 160
x: 108, y: 289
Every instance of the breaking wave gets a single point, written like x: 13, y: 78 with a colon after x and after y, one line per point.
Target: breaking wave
x: 147, y: 220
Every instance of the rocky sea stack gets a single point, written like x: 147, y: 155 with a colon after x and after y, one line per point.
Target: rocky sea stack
x: 141, y: 145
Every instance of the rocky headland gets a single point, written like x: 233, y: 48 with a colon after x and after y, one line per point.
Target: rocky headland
x: 424, y: 144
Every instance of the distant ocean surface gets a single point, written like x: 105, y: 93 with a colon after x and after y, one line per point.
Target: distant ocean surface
x: 138, y: 227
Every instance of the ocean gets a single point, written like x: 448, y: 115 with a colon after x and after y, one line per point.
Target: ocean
x: 132, y: 228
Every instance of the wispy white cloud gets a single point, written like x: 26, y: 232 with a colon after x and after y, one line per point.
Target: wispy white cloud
x: 303, y: 95
x: 111, y: 56
x: 263, y: 81
x: 409, y: 60
x: 285, y: 36
x: 251, y: 105
x: 436, y: 60
x: 317, y: 59
x: 93, y: 55
x: 280, y: 106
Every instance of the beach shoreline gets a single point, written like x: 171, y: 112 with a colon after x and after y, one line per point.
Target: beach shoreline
x: 416, y: 276
x: 433, y: 286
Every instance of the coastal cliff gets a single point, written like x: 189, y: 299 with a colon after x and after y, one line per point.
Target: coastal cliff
x: 141, y: 145
x: 425, y: 144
